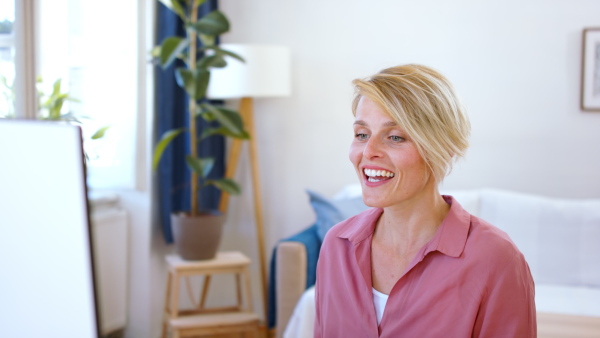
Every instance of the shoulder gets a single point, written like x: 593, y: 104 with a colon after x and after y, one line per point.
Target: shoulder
x: 493, y: 246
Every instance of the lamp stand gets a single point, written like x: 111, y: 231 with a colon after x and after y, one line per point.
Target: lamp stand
x: 247, y: 114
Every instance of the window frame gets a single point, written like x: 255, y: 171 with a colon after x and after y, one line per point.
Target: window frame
x: 25, y: 52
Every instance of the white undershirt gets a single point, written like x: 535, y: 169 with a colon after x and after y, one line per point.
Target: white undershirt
x: 379, y: 299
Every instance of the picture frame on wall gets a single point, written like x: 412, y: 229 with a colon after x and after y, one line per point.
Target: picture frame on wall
x: 590, y: 70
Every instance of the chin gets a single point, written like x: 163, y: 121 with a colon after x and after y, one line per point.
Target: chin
x: 373, y: 202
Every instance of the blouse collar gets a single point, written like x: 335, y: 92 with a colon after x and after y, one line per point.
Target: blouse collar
x: 449, y: 239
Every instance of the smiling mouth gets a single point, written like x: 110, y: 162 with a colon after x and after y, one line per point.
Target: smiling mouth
x: 377, y: 175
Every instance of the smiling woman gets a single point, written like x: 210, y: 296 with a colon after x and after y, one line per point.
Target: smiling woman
x: 417, y: 264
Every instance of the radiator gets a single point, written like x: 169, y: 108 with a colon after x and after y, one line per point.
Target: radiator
x: 109, y: 235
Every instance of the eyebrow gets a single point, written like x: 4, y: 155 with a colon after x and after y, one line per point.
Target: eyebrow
x: 387, y: 124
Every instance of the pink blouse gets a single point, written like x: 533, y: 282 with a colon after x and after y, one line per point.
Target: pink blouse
x: 469, y: 280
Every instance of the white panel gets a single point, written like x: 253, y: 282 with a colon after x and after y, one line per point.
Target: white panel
x: 47, y: 286
x: 110, y: 257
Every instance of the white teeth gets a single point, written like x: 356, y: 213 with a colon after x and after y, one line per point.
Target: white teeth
x: 371, y: 173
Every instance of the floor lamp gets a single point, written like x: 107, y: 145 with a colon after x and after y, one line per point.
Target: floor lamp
x: 265, y: 73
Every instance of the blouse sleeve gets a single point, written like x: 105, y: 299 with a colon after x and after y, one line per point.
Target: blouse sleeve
x: 508, y: 307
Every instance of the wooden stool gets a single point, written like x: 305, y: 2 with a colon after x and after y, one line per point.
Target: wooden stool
x: 203, y: 321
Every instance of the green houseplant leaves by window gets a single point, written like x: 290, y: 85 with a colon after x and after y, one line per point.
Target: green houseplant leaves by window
x: 51, y: 107
x: 194, y: 78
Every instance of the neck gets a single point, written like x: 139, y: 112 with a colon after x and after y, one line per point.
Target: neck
x: 408, y: 226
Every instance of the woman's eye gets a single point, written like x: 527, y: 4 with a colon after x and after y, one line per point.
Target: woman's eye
x: 396, y: 138
x: 360, y: 136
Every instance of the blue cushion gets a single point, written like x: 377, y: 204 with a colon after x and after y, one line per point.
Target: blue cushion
x: 331, y: 212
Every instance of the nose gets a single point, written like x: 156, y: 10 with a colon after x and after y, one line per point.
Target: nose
x: 372, y: 148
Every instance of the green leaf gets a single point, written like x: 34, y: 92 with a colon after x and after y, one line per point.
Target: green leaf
x: 206, y: 115
x: 155, y: 52
x: 216, y: 61
x: 70, y: 117
x: 201, y: 166
x: 60, y: 96
x: 228, y: 119
x: 178, y: 8
x: 244, y: 135
x: 170, y: 48
x: 227, y: 185
x: 175, y: 6
x: 218, y: 52
x: 195, y: 82
x: 100, y: 133
x: 232, y: 54
x: 56, y: 87
x: 56, y: 107
x: 47, y: 103
x: 212, y: 24
x: 199, y: 2
x: 162, y: 145
x: 207, y: 40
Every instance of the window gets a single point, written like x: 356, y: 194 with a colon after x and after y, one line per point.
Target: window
x: 92, y: 46
x: 7, y: 58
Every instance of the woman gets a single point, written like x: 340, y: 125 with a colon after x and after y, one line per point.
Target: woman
x: 416, y: 264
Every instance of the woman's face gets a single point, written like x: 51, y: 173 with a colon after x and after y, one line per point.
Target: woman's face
x: 389, y: 166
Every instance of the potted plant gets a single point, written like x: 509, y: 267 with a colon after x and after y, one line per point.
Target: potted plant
x: 197, y: 233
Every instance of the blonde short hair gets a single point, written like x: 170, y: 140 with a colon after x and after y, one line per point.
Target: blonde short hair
x: 425, y: 104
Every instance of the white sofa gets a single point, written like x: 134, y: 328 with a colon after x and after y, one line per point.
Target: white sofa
x: 560, y: 239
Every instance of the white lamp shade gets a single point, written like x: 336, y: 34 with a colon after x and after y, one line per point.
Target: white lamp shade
x: 266, y: 73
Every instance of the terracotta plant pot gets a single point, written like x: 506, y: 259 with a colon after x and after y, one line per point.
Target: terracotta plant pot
x: 197, y: 238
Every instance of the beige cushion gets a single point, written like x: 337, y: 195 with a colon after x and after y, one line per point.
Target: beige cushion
x: 290, y: 280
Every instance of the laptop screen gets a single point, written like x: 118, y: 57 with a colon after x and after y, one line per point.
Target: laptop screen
x: 46, y: 266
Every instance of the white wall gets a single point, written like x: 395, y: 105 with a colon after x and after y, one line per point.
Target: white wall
x: 147, y: 272
x: 516, y: 64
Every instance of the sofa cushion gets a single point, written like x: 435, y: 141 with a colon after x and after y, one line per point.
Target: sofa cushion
x: 577, y: 301
x: 330, y: 212
x: 559, y: 237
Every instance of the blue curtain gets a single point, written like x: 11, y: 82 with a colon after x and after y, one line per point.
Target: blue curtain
x: 171, y: 112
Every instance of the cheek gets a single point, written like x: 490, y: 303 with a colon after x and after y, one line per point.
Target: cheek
x: 355, y: 153
x: 418, y: 165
